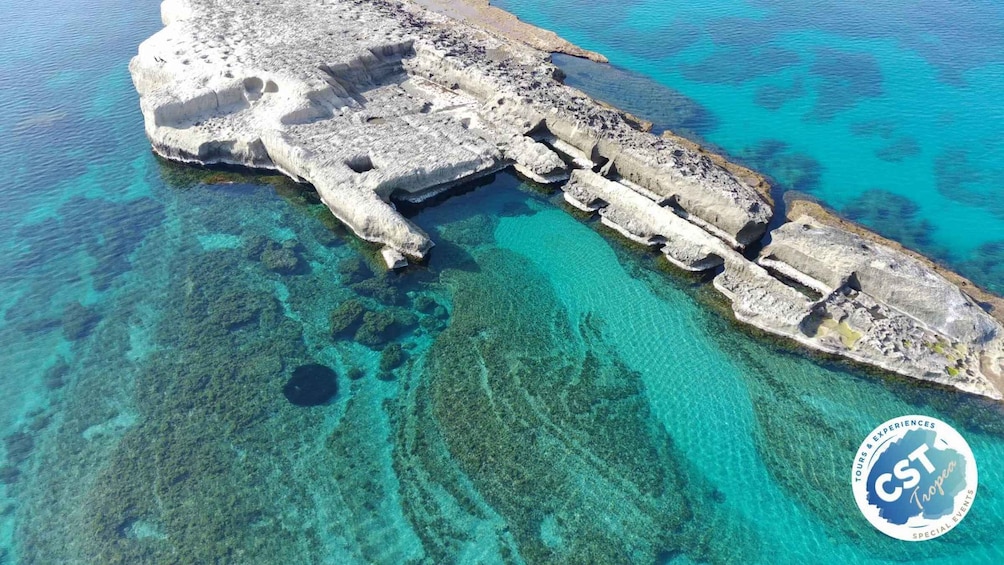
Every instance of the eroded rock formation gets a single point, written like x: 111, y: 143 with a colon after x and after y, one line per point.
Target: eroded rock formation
x: 370, y: 101
x: 380, y: 101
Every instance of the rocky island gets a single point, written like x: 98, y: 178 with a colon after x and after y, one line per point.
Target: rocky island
x: 381, y: 101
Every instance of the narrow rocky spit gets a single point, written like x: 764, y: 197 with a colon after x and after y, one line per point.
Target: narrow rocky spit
x: 381, y: 101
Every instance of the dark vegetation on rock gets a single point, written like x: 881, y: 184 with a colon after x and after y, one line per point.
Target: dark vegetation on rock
x: 9, y: 475
x: 987, y: 266
x: 741, y: 64
x: 30, y: 314
x: 393, y: 356
x: 285, y: 258
x: 19, y: 446
x: 55, y: 376
x: 895, y: 217
x: 784, y: 410
x: 380, y: 288
x: 204, y: 398
x: 345, y: 319
x: 844, y: 79
x: 353, y: 270
x: 791, y: 170
x: 472, y: 231
x: 425, y: 304
x: 666, y: 108
x: 377, y: 329
x: 898, y: 150
x: 962, y: 180
x: 79, y: 321
x: 773, y: 96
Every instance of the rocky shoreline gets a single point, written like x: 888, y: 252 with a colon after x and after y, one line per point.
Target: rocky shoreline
x: 379, y: 101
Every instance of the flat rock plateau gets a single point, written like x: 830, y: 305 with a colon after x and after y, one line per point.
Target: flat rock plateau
x: 379, y: 101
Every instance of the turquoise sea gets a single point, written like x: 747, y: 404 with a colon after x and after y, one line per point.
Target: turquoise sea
x: 540, y: 392
x: 888, y: 111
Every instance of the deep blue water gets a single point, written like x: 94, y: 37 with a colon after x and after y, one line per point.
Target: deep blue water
x: 539, y: 392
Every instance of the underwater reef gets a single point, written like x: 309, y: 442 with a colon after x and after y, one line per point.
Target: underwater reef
x: 545, y: 429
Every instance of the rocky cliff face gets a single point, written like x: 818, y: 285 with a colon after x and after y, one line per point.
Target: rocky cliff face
x: 380, y: 101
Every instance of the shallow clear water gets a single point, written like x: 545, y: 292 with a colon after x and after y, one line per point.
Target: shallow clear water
x: 556, y: 396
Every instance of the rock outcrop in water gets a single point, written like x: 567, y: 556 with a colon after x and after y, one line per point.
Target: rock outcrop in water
x: 376, y: 102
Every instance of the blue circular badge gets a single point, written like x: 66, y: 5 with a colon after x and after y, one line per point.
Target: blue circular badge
x: 914, y: 478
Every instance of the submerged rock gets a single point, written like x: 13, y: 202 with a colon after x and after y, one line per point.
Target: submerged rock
x: 8, y: 476
x: 55, y: 376
x: 478, y: 229
x: 19, y: 446
x: 393, y: 356
x: 255, y: 246
x: 380, y: 288
x: 377, y: 329
x: 280, y: 260
x: 353, y: 270
x: 79, y: 321
x: 311, y: 385
x: 283, y: 259
x: 425, y: 304
x: 346, y: 318
x: 521, y: 415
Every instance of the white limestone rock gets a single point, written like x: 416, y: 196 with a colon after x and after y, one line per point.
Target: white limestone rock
x: 371, y: 101
x: 642, y: 220
x: 393, y: 259
x: 535, y: 161
x: 875, y: 305
x: 827, y: 258
x: 761, y: 300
